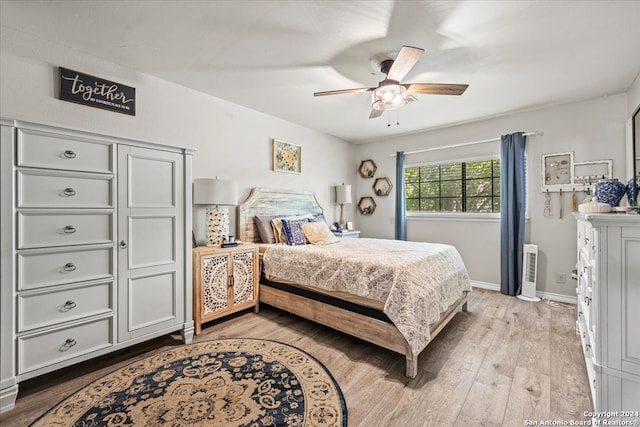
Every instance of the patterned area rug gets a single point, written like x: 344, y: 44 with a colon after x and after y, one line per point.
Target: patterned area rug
x: 232, y: 382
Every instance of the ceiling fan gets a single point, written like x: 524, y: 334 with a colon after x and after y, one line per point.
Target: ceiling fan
x: 390, y: 93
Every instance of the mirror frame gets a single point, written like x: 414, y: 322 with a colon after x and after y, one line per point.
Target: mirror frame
x: 635, y: 146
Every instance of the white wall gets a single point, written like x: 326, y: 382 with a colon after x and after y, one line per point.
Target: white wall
x: 232, y: 142
x: 593, y: 130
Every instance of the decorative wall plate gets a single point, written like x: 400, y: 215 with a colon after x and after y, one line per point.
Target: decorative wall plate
x: 382, y: 186
x: 367, y: 168
x: 366, y: 205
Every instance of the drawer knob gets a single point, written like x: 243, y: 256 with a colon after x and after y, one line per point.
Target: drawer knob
x: 69, y: 192
x: 69, y: 229
x: 69, y: 305
x: 123, y: 244
x: 69, y: 154
x: 69, y: 342
x: 69, y: 267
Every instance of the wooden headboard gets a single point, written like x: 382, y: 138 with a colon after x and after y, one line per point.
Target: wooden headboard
x: 268, y: 201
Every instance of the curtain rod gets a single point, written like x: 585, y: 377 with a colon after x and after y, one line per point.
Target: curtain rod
x: 534, y: 133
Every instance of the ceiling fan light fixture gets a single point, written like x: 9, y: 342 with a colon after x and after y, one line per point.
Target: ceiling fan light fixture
x: 389, y: 97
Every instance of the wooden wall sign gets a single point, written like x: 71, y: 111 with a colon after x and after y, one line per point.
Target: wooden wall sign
x: 96, y: 92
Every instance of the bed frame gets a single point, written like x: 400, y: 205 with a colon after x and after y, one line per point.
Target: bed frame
x: 264, y: 201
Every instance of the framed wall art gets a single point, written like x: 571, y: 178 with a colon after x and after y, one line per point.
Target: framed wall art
x: 557, y: 170
x: 286, y: 157
x: 588, y: 173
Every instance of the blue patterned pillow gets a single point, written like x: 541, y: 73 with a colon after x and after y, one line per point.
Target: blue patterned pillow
x: 319, y: 217
x: 293, y: 232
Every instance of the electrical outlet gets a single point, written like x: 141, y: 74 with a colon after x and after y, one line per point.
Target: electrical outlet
x: 561, y: 277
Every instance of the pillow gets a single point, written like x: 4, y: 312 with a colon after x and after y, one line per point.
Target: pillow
x: 318, y: 233
x: 293, y: 232
x: 319, y: 217
x: 276, y: 223
x: 265, y: 230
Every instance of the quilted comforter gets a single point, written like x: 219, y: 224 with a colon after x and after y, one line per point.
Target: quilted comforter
x: 415, y: 281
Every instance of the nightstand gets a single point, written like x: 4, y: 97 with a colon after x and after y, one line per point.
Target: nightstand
x: 353, y: 234
x: 225, y: 280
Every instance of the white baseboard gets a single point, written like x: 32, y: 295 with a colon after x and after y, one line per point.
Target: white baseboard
x: 557, y: 297
x: 543, y: 295
x: 485, y: 285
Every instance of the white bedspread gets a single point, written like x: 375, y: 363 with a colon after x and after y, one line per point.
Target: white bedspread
x: 416, y: 281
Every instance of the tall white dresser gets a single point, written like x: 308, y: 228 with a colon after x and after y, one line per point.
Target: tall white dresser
x: 94, y: 255
x: 608, y: 310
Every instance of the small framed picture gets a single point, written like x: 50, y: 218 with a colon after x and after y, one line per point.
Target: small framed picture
x: 349, y: 225
x: 557, y: 170
x: 286, y: 157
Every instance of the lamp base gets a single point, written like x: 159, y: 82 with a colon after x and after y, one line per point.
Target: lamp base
x: 342, y: 224
x: 217, y: 222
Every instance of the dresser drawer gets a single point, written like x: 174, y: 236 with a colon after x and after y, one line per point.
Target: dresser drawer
x: 51, y: 308
x: 52, y: 151
x: 40, y: 350
x: 37, y: 270
x: 37, y: 190
x: 38, y: 230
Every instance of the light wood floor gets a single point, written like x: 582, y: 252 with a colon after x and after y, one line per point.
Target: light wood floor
x: 503, y: 362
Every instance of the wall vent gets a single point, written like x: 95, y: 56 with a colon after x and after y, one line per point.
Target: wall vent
x: 529, y: 272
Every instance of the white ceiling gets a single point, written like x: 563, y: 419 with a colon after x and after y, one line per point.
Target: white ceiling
x: 272, y: 55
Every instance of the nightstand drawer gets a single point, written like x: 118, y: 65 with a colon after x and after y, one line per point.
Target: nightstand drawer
x: 40, y: 350
x: 37, y: 270
x: 51, y: 308
x: 37, y: 190
x: 51, y: 151
x: 46, y: 230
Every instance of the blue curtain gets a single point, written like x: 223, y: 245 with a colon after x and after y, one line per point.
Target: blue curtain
x: 512, y: 210
x: 401, y: 204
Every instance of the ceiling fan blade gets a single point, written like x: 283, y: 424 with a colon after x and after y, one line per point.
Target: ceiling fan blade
x: 341, y: 91
x: 436, y: 88
x: 375, y: 113
x: 404, y: 62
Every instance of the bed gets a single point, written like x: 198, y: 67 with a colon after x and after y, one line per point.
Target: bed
x: 389, y: 317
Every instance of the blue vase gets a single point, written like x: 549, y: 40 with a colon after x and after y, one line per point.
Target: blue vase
x: 632, y: 192
x: 610, y: 191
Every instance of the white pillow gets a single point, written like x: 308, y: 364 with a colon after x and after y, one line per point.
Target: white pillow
x: 318, y: 233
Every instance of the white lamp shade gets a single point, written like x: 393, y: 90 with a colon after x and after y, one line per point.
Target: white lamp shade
x: 221, y: 192
x: 343, y: 194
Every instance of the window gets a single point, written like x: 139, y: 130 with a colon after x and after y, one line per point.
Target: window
x: 454, y: 187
